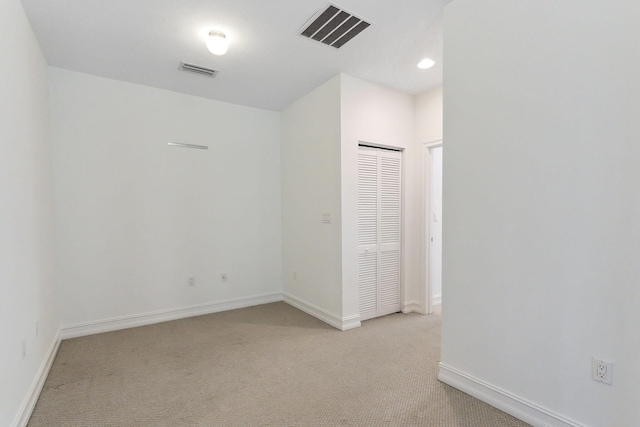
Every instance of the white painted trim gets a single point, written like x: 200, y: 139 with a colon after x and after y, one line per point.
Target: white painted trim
x: 342, y: 323
x: 26, y: 409
x: 134, y: 320
x: 437, y: 300
x: 425, y: 286
x: 412, y: 307
x: 351, y: 322
x: 433, y: 144
x: 514, y: 405
x: 403, y: 227
x: 425, y: 226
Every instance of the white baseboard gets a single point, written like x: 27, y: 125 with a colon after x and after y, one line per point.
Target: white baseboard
x: 132, y: 321
x: 520, y: 408
x: 412, y: 307
x: 342, y: 323
x: 26, y: 409
x: 437, y: 299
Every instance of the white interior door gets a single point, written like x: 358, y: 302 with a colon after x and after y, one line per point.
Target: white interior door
x: 379, y: 231
x: 435, y: 227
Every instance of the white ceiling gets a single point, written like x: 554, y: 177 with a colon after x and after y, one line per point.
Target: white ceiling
x: 268, y: 65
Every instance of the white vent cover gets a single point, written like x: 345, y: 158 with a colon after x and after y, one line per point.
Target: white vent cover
x: 198, y: 69
x: 333, y: 26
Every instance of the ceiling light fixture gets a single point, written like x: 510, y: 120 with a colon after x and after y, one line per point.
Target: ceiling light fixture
x: 426, y: 63
x: 217, y: 43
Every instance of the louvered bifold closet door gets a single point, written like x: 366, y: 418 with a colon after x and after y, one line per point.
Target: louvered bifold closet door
x: 389, y: 245
x: 368, y: 231
x: 379, y: 231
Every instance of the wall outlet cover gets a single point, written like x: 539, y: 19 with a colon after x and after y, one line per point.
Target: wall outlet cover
x: 601, y: 371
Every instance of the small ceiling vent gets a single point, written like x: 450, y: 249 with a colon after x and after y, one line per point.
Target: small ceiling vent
x: 198, y: 69
x: 333, y: 26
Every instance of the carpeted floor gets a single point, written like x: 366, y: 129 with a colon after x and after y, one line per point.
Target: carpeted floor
x: 270, y: 365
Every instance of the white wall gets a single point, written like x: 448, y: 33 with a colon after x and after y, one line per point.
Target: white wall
x: 381, y: 116
x: 434, y: 224
x: 542, y: 202
x: 27, y: 291
x: 320, y: 136
x: 310, y: 188
x: 428, y: 129
x: 428, y: 113
x: 135, y: 217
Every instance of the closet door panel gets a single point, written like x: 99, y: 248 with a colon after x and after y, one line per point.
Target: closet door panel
x: 368, y: 212
x: 379, y: 231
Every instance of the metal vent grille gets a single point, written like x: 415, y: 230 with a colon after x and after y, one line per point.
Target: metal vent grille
x: 210, y: 72
x: 333, y: 26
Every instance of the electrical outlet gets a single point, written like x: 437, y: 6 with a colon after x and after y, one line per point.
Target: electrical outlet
x: 223, y: 277
x: 601, y: 371
x: 191, y: 281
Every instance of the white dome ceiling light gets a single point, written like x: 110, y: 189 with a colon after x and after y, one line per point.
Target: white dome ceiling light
x: 217, y: 43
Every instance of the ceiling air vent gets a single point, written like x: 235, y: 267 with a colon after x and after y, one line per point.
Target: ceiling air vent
x: 333, y: 26
x: 198, y: 69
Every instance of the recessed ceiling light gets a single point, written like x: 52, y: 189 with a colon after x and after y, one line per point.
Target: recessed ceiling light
x: 217, y: 43
x: 426, y: 63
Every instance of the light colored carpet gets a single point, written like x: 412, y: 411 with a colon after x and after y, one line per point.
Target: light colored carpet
x: 270, y: 365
